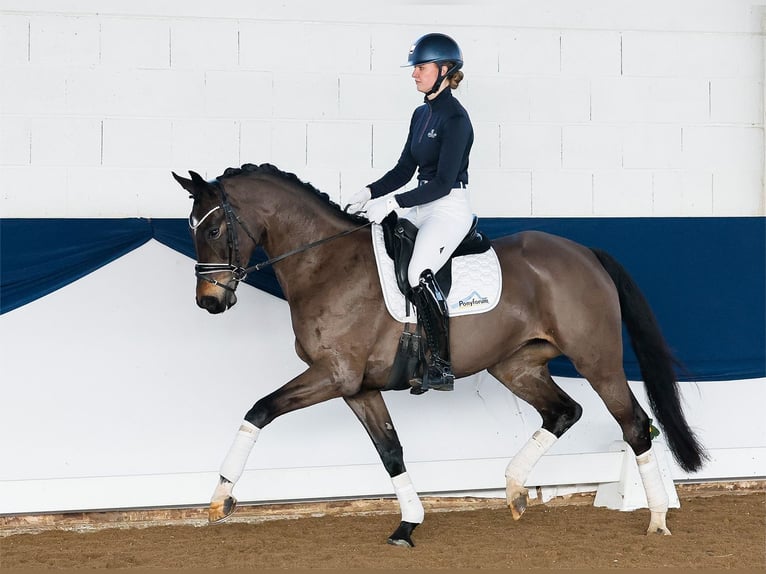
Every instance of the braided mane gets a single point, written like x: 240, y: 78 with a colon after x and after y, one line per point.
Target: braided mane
x: 269, y: 169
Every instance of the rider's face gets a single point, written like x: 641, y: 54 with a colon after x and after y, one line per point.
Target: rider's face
x: 425, y: 76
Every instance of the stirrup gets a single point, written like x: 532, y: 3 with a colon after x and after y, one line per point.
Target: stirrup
x: 438, y: 376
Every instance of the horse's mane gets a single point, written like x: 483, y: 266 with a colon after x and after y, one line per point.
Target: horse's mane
x: 269, y: 169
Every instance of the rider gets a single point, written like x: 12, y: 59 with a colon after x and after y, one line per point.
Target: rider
x: 438, y: 145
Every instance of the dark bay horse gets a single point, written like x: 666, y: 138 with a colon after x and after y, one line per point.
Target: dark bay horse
x: 558, y: 297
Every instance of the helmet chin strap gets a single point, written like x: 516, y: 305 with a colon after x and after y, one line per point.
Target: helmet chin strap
x: 438, y: 83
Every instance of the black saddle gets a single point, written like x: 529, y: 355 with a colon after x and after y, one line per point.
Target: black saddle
x: 399, y: 236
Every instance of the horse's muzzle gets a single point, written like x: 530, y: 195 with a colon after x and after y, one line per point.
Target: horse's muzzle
x: 215, y: 305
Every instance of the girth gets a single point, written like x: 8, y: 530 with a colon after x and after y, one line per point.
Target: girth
x: 399, y: 236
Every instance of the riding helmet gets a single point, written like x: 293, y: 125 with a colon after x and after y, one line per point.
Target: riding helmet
x: 435, y: 48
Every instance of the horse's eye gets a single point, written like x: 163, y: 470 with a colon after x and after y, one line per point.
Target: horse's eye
x: 214, y: 232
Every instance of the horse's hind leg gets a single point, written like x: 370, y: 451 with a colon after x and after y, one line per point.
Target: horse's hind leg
x: 530, y: 380
x: 372, y: 412
x: 612, y: 386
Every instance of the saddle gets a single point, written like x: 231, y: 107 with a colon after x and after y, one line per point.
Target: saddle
x: 399, y: 236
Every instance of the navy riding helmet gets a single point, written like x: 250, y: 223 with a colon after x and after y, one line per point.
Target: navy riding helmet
x: 437, y: 48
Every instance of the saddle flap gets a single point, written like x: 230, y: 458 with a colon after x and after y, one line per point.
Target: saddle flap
x: 399, y: 235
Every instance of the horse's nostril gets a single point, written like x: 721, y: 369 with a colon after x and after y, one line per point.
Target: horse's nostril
x: 211, y: 304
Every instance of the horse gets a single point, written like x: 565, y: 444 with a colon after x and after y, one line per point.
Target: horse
x: 558, y: 298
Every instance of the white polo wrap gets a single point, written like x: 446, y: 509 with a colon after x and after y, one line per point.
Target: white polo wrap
x: 412, y: 508
x: 235, y: 461
x: 521, y: 465
x: 656, y: 495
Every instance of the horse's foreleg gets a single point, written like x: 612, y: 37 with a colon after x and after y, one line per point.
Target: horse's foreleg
x: 222, y: 504
x: 559, y: 412
x: 311, y: 387
x: 371, y: 410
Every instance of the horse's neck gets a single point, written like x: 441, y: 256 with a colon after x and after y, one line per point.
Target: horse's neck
x: 298, y: 221
x: 295, y: 219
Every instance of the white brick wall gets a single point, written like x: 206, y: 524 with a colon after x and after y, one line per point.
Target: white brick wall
x: 591, y: 108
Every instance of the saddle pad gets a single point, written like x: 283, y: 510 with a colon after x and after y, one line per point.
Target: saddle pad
x: 476, y: 283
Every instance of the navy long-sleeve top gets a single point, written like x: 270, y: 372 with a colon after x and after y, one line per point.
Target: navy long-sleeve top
x: 438, y: 145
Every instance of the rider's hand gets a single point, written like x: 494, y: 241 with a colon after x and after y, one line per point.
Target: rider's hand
x: 377, y: 209
x: 357, y: 201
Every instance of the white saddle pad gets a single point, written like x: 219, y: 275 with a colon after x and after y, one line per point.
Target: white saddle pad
x: 476, y: 282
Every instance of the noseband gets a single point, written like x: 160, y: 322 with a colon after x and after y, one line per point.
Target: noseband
x: 238, y: 272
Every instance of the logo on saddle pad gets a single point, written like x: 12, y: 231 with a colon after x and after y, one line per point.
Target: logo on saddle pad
x: 476, y: 283
x: 474, y: 299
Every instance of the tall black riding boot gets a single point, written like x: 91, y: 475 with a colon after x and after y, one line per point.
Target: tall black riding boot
x: 432, y: 313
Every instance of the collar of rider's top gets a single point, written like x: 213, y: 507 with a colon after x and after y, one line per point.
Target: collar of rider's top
x: 444, y: 95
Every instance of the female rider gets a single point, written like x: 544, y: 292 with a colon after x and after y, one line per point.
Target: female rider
x: 438, y: 145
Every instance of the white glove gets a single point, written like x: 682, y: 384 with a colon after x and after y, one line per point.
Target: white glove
x: 357, y: 201
x: 378, y: 208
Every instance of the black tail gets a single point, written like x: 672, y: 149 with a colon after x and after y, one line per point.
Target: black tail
x: 656, y: 362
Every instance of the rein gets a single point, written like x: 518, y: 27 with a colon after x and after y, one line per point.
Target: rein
x: 238, y: 272
x: 306, y: 247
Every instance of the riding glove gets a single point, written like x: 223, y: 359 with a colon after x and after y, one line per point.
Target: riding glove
x: 357, y: 201
x: 378, y: 208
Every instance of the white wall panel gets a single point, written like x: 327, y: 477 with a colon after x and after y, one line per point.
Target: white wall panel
x: 682, y: 191
x: 722, y: 147
x: 651, y: 146
x: 691, y: 55
x: 736, y: 101
x: 355, y: 151
x: 562, y: 193
x: 15, y: 140
x: 205, y: 145
x: 135, y: 43
x: 506, y: 193
x: 650, y: 100
x: 27, y: 91
x: 591, y: 54
x: 46, y: 187
x: 730, y: 191
x: 618, y: 193
x: 129, y: 142
x: 14, y: 39
x: 66, y: 141
x: 559, y: 100
x: 530, y: 146
x: 530, y: 52
x: 602, y: 73
x: 212, y: 45
x: 241, y: 94
x: 591, y: 147
x: 64, y: 41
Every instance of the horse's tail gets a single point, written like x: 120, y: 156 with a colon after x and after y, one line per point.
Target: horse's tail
x: 656, y: 362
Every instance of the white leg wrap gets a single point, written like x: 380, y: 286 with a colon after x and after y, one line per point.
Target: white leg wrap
x: 235, y: 461
x: 521, y: 465
x: 656, y: 495
x: 412, y: 508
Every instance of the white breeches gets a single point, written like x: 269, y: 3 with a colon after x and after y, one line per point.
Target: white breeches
x: 442, y: 225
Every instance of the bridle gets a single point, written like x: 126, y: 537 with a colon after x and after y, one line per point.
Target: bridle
x: 238, y: 272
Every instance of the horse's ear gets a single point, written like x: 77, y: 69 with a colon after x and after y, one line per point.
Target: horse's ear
x: 187, y: 184
x: 193, y: 185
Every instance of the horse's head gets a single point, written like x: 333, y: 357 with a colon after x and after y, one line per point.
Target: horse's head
x: 221, y: 253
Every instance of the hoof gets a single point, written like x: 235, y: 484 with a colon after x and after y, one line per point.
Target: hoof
x: 220, y: 510
x: 657, y: 524
x: 402, y: 535
x: 518, y: 505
